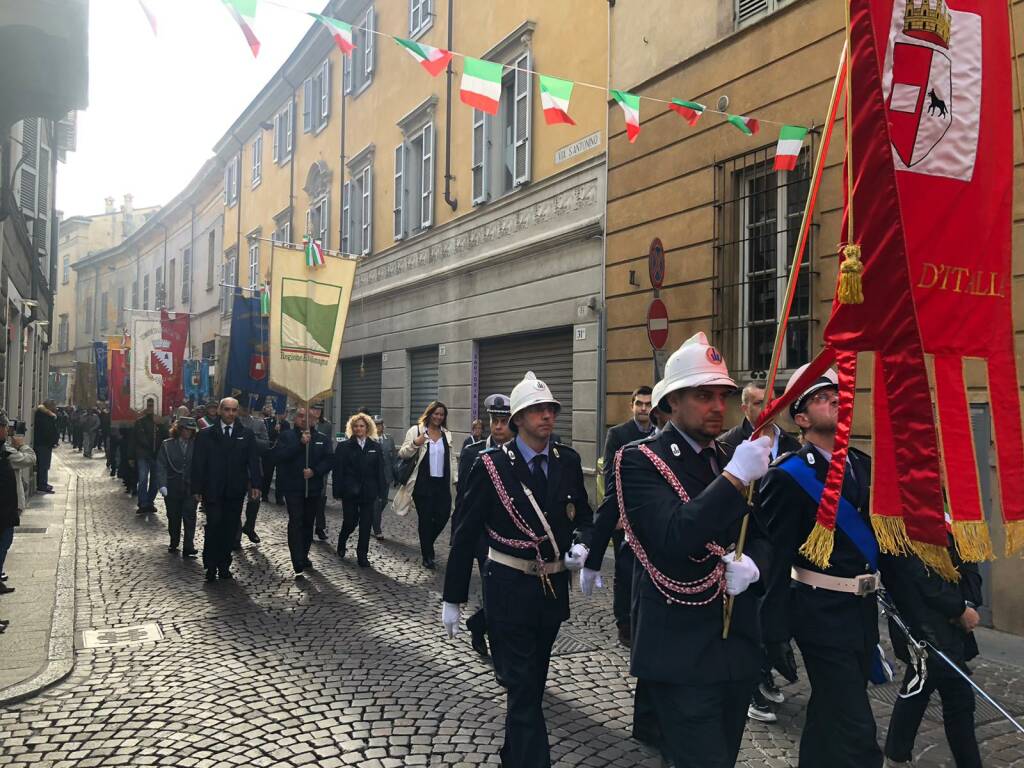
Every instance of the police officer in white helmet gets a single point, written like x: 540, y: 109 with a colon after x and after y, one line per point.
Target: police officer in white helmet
x: 527, y: 497
x: 684, y: 498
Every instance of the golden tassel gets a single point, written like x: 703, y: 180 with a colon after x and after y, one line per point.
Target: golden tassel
x: 851, y: 290
x: 973, y: 541
x: 1014, y: 536
x: 891, y: 534
x: 937, y: 559
x: 818, y: 547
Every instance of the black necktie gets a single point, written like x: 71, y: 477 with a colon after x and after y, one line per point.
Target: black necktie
x: 227, y: 432
x: 708, y: 455
x: 540, y: 480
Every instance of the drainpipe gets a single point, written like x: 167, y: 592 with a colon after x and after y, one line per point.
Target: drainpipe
x: 452, y: 202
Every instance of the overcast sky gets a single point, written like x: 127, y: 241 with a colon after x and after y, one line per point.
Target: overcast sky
x: 158, y: 104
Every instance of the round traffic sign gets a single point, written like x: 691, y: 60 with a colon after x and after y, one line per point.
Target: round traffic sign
x: 657, y: 323
x: 656, y: 263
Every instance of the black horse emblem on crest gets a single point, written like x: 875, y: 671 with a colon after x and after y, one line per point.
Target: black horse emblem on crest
x: 935, y: 104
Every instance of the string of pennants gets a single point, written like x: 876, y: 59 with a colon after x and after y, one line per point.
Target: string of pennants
x: 481, y: 81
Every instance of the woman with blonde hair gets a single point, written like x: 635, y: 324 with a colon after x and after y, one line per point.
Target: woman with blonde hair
x: 435, y: 472
x: 359, y: 481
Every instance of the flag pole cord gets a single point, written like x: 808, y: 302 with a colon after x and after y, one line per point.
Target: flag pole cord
x: 794, y: 276
x: 1016, y: 69
x: 848, y: 129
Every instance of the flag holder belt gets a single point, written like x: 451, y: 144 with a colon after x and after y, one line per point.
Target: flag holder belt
x: 862, y: 585
x: 529, y: 567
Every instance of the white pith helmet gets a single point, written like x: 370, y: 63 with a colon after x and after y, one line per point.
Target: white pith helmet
x: 531, y: 391
x: 695, y: 364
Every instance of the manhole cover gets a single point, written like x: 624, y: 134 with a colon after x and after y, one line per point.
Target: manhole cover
x: 567, y: 643
x: 984, y: 713
x: 119, y: 636
x: 21, y: 531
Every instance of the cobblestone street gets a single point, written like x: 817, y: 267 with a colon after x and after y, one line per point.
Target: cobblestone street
x: 346, y: 667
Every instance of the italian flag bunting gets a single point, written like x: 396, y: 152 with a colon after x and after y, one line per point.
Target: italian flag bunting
x: 554, y: 96
x: 689, y: 110
x: 340, y: 31
x: 746, y: 125
x: 314, y: 253
x: 787, y: 151
x: 630, y: 104
x: 481, y: 85
x: 244, y: 12
x: 265, y: 300
x: 150, y: 16
x: 432, y: 59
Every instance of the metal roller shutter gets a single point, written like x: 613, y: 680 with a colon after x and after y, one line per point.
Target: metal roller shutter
x: 360, y: 387
x: 503, y: 362
x: 422, y: 380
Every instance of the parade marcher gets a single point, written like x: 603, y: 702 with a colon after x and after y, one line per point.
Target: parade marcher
x: 90, y: 432
x: 16, y: 458
x: 103, y: 435
x: 126, y: 464
x: 390, y: 453
x: 45, y: 438
x: 174, y: 479
x: 476, y: 434
x: 62, y: 424
x: 225, y: 467
x: 360, y: 481
x: 683, y: 499
x: 945, y: 615
x: 273, y: 426
x: 76, y: 428
x: 114, y: 448
x: 751, y: 404
x: 429, y: 487
x: 252, y: 504
x: 302, y: 458
x: 209, y: 418
x: 529, y: 499
x: 499, y: 410
x: 318, y: 423
x: 831, y: 613
x: 637, y: 427
x: 148, y: 433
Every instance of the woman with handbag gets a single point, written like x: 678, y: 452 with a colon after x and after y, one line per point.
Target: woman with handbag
x: 432, y: 465
x: 360, y: 482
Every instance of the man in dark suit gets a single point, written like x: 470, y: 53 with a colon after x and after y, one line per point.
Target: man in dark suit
x: 318, y: 423
x: 635, y: 428
x: 683, y: 498
x: 225, y: 467
x: 832, y: 613
x: 529, y: 498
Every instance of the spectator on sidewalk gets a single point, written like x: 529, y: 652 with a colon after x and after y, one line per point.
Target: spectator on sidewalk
x: 360, y: 483
x: 174, y: 479
x: 476, y: 434
x: 16, y: 458
x: 44, y: 439
x: 149, y: 433
x: 390, y: 455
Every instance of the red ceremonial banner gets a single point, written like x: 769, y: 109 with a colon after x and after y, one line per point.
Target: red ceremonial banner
x: 120, y: 394
x: 170, y: 360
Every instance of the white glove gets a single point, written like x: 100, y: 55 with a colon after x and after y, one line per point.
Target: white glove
x: 576, y: 556
x: 739, y: 574
x: 450, y: 615
x: 751, y: 459
x: 163, y: 491
x: 589, y: 580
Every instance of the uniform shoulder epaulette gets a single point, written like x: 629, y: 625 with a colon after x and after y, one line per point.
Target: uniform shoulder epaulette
x: 566, y: 448
x: 492, y: 449
x: 783, y: 456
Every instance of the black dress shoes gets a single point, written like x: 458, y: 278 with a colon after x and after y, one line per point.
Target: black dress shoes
x: 251, y: 533
x: 321, y: 534
x: 189, y: 554
x: 5, y: 590
x: 225, y: 574
x: 429, y: 563
x: 479, y: 643
x: 211, y: 574
x: 172, y: 547
x: 364, y: 562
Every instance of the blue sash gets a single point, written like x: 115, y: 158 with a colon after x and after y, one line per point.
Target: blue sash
x: 848, y: 519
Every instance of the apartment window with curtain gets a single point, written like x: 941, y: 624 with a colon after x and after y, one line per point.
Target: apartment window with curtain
x: 229, y: 271
x: 501, y: 143
x: 211, y: 259
x: 186, y: 275
x: 254, y: 263
x: 357, y: 69
x: 421, y: 17
x: 257, y: 160
x: 316, y: 99
x: 414, y: 181
x: 284, y: 123
x: 357, y: 212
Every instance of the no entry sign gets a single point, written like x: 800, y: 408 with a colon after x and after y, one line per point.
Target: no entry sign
x: 657, y: 323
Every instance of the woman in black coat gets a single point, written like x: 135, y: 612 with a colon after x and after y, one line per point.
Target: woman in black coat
x: 359, y: 481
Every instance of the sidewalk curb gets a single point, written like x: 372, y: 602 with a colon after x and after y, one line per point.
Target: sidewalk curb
x: 60, y: 657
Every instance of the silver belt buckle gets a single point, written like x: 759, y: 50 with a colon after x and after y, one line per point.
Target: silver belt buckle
x: 867, y: 583
x: 533, y: 568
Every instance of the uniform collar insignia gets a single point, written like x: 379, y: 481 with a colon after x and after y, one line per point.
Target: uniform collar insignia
x: 810, y: 458
x: 675, y: 450
x: 554, y: 450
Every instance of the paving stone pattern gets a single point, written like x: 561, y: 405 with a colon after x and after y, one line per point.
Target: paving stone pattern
x: 348, y: 667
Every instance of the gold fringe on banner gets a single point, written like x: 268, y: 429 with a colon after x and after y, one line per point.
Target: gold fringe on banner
x: 851, y: 290
x: 891, y: 534
x: 973, y: 541
x: 818, y: 547
x: 1014, y: 536
x: 937, y: 559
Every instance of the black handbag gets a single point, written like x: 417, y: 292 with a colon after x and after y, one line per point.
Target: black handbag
x: 404, y: 467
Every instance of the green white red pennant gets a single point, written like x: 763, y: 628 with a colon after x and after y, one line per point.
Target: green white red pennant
x: 481, y: 85
x: 747, y: 125
x: 787, y: 151
x: 432, y: 59
x: 314, y: 253
x: 340, y: 31
x: 554, y: 98
x: 630, y: 104
x: 265, y: 300
x: 244, y: 12
x: 690, y: 111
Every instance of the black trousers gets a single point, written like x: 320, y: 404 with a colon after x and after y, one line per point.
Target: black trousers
x: 957, y: 718
x: 433, y: 499
x: 701, y: 726
x: 252, y: 508
x: 268, y: 473
x: 321, y: 514
x: 301, y: 512
x: 223, y: 516
x: 356, y: 514
x: 839, y: 731
x: 181, y: 511
x: 623, y: 588
x: 44, y: 455
x: 478, y: 621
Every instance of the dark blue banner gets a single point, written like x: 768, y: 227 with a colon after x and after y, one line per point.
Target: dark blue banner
x: 102, y: 390
x: 247, y: 377
x: 197, y: 380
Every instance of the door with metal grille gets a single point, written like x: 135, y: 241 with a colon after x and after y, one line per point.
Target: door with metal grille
x: 422, y: 380
x: 504, y: 361
x: 360, y: 387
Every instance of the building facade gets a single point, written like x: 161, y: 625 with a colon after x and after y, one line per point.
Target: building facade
x: 728, y: 222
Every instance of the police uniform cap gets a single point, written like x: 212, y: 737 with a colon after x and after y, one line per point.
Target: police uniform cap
x: 498, y: 405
